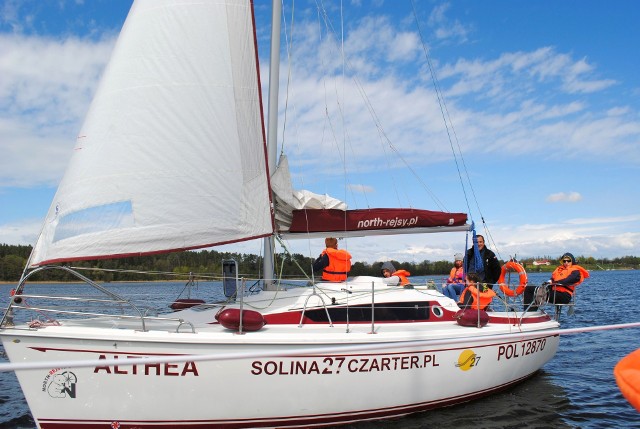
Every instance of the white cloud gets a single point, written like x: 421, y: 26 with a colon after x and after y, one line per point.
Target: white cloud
x: 573, y: 84
x: 404, y: 46
x: 20, y: 233
x: 604, y: 220
x: 564, y: 197
x: 618, y: 111
x: 47, y: 85
x: 363, y: 189
x: 446, y: 29
x: 514, y: 73
x: 45, y: 90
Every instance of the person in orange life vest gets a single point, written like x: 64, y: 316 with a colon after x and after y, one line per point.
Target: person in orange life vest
x: 455, y: 282
x: 393, y: 277
x: 560, y: 288
x: 335, y: 263
x: 476, y: 292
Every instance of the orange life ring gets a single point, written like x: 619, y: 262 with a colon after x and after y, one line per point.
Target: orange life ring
x: 627, y: 374
x: 512, y: 266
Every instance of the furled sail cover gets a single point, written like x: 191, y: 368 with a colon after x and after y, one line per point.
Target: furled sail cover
x: 301, y: 213
x: 377, y: 221
x: 287, y: 199
x: 171, y: 155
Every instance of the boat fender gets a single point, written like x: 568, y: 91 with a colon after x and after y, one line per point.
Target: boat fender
x: 512, y: 266
x: 184, y: 303
x: 251, y: 320
x: 469, y: 317
x: 17, y: 299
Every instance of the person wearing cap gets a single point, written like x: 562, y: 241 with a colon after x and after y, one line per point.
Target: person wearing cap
x: 393, y: 277
x: 455, y: 282
x: 561, y: 286
x: 335, y: 263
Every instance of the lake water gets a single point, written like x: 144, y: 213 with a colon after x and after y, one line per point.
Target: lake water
x: 576, y: 389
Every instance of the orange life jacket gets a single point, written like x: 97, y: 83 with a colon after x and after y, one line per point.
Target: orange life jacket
x: 339, y: 265
x: 483, y: 297
x: 403, y: 274
x: 562, y: 273
x: 456, y: 275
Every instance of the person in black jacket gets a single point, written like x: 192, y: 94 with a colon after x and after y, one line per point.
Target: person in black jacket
x: 489, y: 261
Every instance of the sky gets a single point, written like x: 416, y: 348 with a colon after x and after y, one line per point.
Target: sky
x: 540, y: 99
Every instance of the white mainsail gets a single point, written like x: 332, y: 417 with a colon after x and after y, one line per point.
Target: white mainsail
x: 171, y: 155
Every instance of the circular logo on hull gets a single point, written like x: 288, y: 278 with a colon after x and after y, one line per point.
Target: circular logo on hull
x: 467, y: 360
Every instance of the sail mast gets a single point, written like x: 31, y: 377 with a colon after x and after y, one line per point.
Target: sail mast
x: 272, y: 128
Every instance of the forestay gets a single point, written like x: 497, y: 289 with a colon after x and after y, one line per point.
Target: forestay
x: 171, y: 155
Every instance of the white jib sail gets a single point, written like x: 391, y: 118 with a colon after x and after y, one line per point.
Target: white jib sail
x: 171, y: 154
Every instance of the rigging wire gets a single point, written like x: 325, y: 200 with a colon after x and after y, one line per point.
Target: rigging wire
x: 323, y: 17
x: 451, y: 134
x: 344, y: 138
x: 454, y: 142
x: 288, y: 43
x: 378, y: 123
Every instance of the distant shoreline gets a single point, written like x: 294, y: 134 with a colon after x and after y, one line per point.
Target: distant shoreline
x: 5, y: 282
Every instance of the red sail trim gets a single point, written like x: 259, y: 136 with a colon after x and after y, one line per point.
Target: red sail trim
x: 138, y: 254
x: 326, y: 220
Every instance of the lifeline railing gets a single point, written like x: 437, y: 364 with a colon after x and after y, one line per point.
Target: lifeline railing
x: 516, y: 303
x: 18, y: 302
x: 540, y: 301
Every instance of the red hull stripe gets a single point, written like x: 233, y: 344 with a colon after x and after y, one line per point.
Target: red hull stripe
x: 426, y: 350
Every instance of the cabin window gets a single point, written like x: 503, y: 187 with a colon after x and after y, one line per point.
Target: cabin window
x: 387, y: 312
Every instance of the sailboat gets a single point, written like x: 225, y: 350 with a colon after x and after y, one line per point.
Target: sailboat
x: 172, y: 157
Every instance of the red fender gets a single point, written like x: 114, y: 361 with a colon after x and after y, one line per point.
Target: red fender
x: 470, y: 317
x: 184, y: 303
x: 251, y: 320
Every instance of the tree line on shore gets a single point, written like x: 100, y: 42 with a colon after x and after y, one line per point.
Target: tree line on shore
x: 13, y: 259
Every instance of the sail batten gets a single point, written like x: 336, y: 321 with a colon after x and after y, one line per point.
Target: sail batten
x: 171, y: 154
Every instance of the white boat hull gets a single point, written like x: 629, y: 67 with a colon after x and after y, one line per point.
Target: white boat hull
x: 389, y: 376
